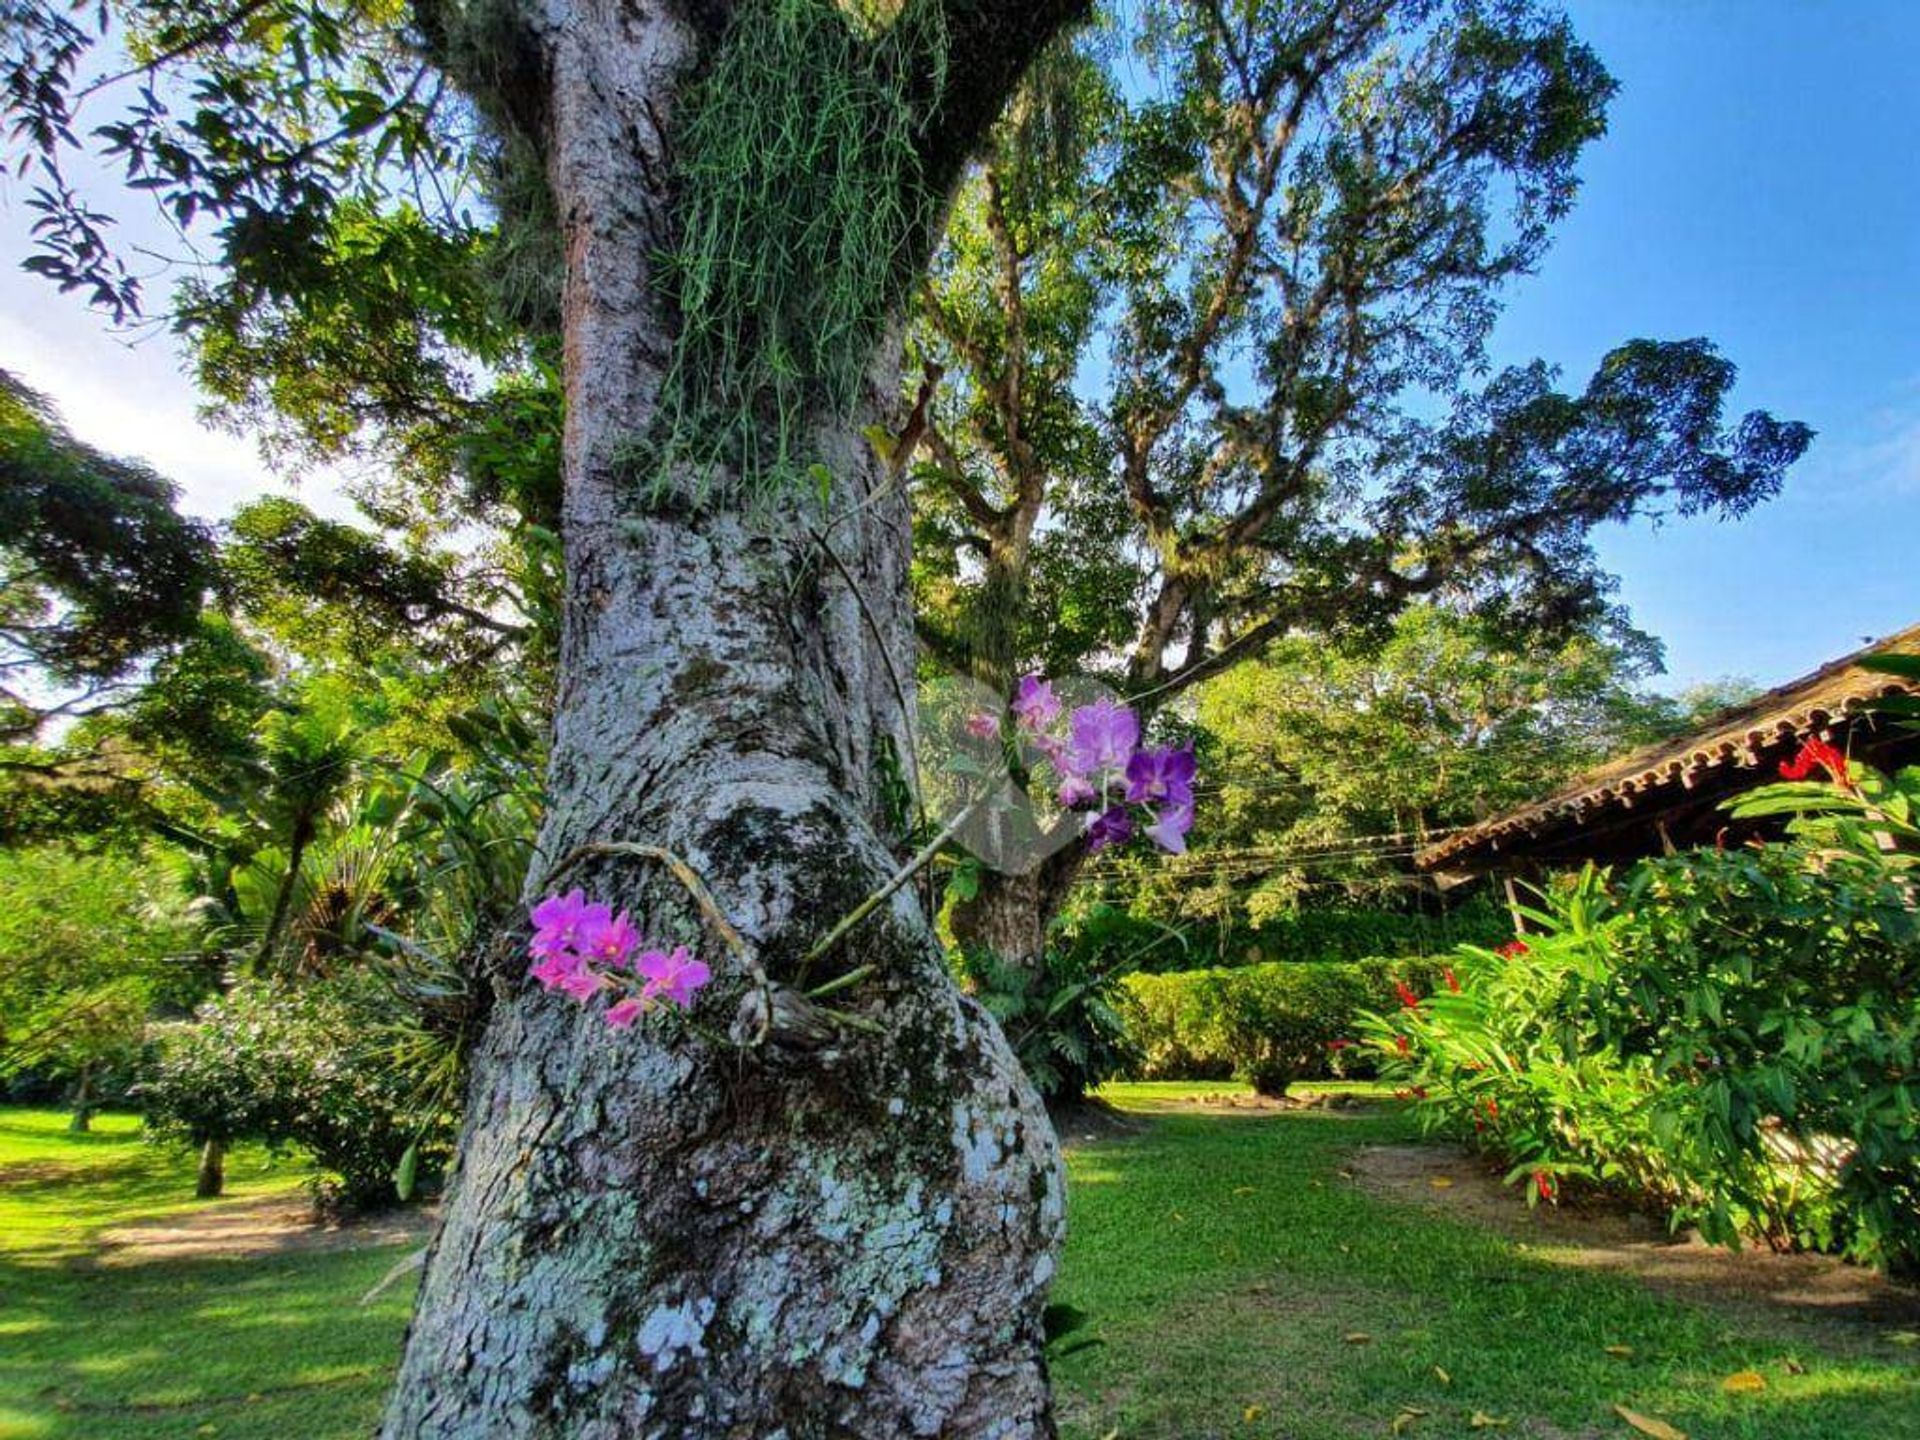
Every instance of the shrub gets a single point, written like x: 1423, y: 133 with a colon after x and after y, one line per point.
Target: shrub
x: 297, y: 1066
x: 1736, y: 1036
x: 89, y: 945
x: 1267, y: 1024
x: 1060, y: 1018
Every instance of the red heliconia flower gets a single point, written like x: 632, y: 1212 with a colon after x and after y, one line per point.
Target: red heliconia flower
x: 1452, y: 984
x: 1407, y: 997
x: 1420, y: 1092
x: 1339, y: 1044
x: 1818, y: 753
x: 1403, y: 1043
x: 1543, y: 1182
x: 1493, y: 1108
x: 1511, y: 949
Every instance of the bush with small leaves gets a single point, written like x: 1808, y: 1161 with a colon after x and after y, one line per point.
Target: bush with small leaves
x: 298, y: 1066
x: 1735, y: 1036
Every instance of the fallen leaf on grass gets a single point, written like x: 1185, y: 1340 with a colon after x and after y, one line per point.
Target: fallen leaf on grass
x: 1357, y: 1337
x: 1404, y: 1420
x: 1480, y: 1420
x: 1647, y: 1425
x: 1440, y: 1182
x: 1442, y: 1376
x: 1793, y: 1367
x: 1253, y: 1413
x: 1904, y: 1337
x: 1744, y: 1382
x: 1243, y: 1189
x: 1621, y: 1351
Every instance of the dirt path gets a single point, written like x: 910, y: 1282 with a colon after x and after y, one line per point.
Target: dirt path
x: 253, y: 1229
x: 1817, y: 1288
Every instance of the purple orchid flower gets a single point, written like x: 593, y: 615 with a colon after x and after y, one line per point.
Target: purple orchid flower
x: 1075, y: 793
x: 1114, y: 827
x: 1035, y: 705
x: 622, y: 1013
x: 582, y: 984
x: 1103, y: 737
x: 983, y: 726
x: 553, y: 969
x: 1169, y: 829
x: 672, y: 975
x: 609, y: 942
x: 1165, y: 773
x: 559, y: 919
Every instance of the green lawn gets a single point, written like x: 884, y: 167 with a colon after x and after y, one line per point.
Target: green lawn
x: 1220, y: 1256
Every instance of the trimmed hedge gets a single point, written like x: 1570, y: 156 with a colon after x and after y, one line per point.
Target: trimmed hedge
x: 1111, y: 937
x: 1269, y: 1025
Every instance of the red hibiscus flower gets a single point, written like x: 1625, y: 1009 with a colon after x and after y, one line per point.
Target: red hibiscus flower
x: 1818, y: 754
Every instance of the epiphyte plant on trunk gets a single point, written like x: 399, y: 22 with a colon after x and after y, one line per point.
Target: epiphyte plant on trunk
x: 1107, y: 783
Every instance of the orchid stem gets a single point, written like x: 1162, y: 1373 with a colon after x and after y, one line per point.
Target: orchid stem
x: 873, y: 902
x: 840, y: 982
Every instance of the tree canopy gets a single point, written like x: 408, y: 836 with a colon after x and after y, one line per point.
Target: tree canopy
x: 1205, y: 353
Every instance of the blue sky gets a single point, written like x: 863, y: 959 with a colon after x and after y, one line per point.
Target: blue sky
x: 1760, y: 185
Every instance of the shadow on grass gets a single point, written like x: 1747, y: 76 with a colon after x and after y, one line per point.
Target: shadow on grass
x: 256, y: 1348
x: 1241, y: 1286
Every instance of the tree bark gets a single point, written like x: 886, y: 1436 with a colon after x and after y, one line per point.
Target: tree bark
x: 1011, y: 914
x: 82, y: 1119
x: 212, y: 1176
x: 846, y: 1232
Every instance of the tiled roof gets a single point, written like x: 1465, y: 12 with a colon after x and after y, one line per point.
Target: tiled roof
x: 1768, y: 727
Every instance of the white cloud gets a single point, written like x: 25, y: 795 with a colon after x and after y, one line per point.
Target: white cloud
x: 131, y: 396
x: 1881, y: 461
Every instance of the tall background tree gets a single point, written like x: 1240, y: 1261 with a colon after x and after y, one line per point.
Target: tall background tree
x: 1205, y: 358
x: 846, y: 1232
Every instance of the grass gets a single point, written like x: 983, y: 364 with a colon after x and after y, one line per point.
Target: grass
x: 1222, y: 1260
x: 268, y: 1348
x: 1224, y: 1263
x: 58, y: 1188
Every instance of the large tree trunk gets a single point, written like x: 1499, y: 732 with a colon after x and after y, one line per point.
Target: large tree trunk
x: 1012, y: 913
x: 658, y: 1232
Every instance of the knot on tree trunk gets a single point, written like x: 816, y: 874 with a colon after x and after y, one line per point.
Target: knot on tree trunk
x: 782, y: 1017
